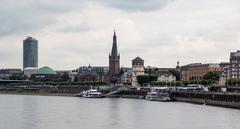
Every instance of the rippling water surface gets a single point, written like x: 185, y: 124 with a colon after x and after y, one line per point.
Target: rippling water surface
x: 49, y: 112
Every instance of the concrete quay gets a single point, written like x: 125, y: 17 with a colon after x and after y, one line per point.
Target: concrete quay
x: 226, y: 99
x: 230, y: 100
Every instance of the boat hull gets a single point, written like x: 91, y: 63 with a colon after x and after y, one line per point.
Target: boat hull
x: 93, y: 96
x: 92, y: 93
x: 158, y: 99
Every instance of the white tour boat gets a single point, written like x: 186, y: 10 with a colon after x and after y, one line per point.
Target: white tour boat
x: 92, y: 93
x: 157, y: 94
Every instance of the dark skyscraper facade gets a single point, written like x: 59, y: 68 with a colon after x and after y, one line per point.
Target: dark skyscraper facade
x: 114, y: 62
x: 30, y: 52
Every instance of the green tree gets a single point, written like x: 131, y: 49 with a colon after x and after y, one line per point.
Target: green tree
x: 186, y: 83
x: 178, y: 83
x: 65, y: 77
x: 143, y: 79
x: 18, y: 77
x: 204, y: 82
x: 211, y: 76
x: 176, y: 73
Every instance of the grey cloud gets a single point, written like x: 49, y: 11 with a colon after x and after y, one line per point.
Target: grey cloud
x: 207, y: 30
x: 29, y: 15
x: 15, y: 23
x: 136, y: 5
x: 77, y: 28
x: 228, y: 33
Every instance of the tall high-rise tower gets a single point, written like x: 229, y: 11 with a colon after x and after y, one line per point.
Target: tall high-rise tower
x: 114, y: 62
x: 30, y: 52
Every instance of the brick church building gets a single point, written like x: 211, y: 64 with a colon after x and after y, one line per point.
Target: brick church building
x: 114, y: 63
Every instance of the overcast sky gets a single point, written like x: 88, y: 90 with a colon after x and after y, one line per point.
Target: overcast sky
x: 73, y: 33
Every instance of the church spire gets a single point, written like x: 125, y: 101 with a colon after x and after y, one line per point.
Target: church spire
x: 114, y: 33
x: 114, y: 46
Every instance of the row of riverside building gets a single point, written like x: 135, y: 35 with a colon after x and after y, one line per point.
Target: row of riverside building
x: 226, y: 70
x: 114, y: 74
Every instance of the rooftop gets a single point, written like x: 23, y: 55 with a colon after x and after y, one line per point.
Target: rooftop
x: 138, y: 59
x: 46, y: 70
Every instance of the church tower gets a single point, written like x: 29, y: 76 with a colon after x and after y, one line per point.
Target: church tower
x: 114, y: 62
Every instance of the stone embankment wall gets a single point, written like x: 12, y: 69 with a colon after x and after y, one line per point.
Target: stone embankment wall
x: 231, y: 100
x: 44, y: 89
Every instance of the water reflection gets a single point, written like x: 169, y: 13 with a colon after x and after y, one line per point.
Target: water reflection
x: 43, y: 112
x: 29, y: 105
x: 114, y: 112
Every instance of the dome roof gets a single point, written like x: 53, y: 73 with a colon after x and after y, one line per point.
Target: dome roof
x: 46, y: 70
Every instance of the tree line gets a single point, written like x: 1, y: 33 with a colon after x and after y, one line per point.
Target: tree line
x: 208, y: 79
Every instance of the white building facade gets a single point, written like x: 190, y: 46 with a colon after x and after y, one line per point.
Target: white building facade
x: 166, y: 77
x: 29, y: 71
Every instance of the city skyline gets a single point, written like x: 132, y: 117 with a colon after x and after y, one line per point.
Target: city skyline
x: 77, y: 33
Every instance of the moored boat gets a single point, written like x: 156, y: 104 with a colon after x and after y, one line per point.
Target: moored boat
x: 151, y: 96
x: 158, y: 95
x: 92, y: 93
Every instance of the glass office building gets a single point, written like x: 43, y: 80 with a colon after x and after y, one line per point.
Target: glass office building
x: 30, y: 52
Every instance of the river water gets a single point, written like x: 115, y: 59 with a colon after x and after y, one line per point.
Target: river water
x: 50, y: 112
